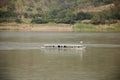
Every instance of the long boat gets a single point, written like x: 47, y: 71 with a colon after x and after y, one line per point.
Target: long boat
x: 63, y: 46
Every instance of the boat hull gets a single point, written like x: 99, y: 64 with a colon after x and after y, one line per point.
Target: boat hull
x: 63, y: 46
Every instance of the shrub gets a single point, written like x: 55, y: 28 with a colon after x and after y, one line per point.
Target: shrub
x: 83, y: 16
x: 115, y: 14
x: 7, y: 20
x: 98, y: 18
x: 18, y: 20
x: 39, y: 21
x: 65, y: 20
x: 3, y: 20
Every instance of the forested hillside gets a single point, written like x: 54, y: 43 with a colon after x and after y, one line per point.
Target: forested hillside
x: 58, y: 11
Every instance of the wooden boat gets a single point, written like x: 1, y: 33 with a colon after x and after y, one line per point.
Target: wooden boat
x: 63, y: 46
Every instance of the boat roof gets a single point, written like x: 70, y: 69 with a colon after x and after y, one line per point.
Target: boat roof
x: 62, y: 45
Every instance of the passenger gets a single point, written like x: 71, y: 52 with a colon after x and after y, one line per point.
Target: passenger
x: 58, y: 46
x: 65, y: 46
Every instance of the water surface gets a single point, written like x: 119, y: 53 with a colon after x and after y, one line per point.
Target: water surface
x: 22, y: 58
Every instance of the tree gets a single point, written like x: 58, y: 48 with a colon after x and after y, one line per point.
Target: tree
x: 19, y: 8
x: 83, y: 16
x: 39, y: 20
x: 98, y: 18
x: 117, y: 3
x: 100, y: 2
x: 116, y: 11
x: 3, y: 2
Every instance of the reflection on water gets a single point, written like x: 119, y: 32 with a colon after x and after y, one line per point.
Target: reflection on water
x: 22, y: 58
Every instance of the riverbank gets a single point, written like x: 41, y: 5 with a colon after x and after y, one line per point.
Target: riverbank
x: 96, y: 28
x: 36, y: 27
x: 60, y: 27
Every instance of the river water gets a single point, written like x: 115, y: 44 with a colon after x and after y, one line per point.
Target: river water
x: 22, y: 58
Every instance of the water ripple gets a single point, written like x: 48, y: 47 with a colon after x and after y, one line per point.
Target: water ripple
x: 26, y: 46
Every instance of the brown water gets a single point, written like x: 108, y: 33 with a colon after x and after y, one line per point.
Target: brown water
x: 22, y: 58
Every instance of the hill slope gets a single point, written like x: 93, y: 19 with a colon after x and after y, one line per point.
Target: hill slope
x: 58, y: 11
x: 45, y: 6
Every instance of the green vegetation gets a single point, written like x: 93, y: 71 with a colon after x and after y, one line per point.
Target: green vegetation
x: 18, y: 20
x: 116, y: 28
x: 100, y: 2
x: 93, y: 28
x: 83, y: 15
x: 60, y: 12
x: 39, y: 21
x: 84, y: 27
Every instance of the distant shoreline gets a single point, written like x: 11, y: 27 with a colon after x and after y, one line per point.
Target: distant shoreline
x: 36, y: 27
x: 56, y: 28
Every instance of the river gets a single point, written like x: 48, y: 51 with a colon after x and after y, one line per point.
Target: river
x: 22, y: 58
